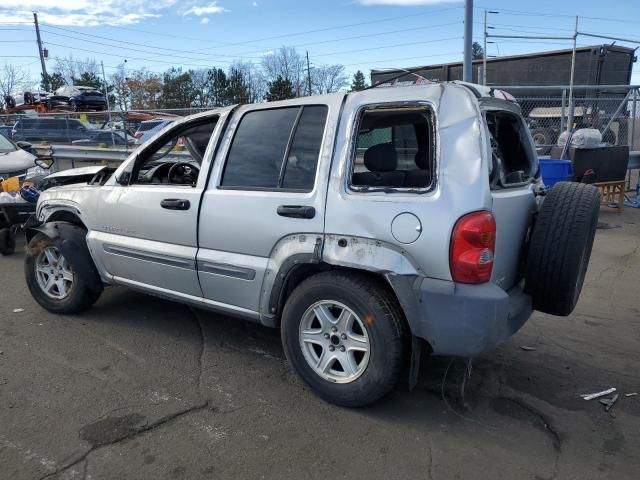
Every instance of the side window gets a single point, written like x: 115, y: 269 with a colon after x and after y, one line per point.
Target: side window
x: 513, y: 159
x: 176, y: 158
x: 394, y: 149
x: 276, y: 148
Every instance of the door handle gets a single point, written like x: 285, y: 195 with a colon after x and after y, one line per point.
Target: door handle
x: 175, y: 204
x: 296, y: 211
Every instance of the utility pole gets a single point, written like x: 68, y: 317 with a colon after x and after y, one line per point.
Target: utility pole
x: 308, y: 74
x: 467, y: 64
x: 573, y: 68
x: 484, y: 52
x: 45, y: 77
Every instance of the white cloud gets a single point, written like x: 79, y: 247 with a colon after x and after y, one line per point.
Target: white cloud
x: 405, y: 3
x: 204, y: 20
x: 82, y: 13
x: 255, y: 4
x: 209, y: 9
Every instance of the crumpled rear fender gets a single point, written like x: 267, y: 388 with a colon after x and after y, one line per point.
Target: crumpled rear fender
x: 71, y: 240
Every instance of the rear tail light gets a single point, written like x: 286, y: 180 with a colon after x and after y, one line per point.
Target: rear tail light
x: 472, y: 248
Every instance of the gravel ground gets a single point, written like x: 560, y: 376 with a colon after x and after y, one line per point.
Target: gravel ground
x: 142, y: 388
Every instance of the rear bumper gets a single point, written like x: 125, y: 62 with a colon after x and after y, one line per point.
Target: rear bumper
x: 465, y: 320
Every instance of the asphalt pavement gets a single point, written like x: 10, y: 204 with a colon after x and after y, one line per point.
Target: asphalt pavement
x: 143, y: 388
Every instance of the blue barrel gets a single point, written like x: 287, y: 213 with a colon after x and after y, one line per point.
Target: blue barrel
x: 554, y: 171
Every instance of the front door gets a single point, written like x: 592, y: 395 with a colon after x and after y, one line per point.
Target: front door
x: 146, y: 234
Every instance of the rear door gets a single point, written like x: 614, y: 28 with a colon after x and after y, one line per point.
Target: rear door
x: 514, y: 165
x: 269, y: 182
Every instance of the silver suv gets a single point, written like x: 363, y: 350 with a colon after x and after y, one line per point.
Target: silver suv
x: 369, y: 227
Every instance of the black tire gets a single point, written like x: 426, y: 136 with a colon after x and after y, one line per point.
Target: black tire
x: 385, y: 327
x: 542, y: 139
x: 7, y: 241
x: 80, y: 296
x: 560, y: 247
x: 73, y: 105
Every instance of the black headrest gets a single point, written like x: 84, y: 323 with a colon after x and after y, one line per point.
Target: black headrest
x: 381, y: 158
x: 422, y: 159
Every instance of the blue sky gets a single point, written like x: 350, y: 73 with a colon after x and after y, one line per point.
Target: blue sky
x: 360, y: 34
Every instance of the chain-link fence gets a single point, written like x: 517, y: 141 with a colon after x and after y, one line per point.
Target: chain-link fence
x: 123, y: 130
x: 610, y: 109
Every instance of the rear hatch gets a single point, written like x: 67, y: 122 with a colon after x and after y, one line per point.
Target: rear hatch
x: 514, y: 164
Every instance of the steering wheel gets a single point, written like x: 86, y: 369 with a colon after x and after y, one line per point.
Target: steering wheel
x: 183, y: 173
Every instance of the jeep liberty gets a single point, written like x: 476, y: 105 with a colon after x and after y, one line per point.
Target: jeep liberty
x: 367, y: 226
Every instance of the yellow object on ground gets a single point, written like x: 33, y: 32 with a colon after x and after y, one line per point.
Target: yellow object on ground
x: 11, y: 184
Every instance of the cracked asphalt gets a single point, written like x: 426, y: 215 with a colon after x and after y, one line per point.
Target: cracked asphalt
x: 142, y: 388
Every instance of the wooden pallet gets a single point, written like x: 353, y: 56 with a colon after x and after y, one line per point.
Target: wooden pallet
x: 612, y: 193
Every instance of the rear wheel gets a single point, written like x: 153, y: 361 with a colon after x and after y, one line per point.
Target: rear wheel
x: 52, y: 281
x: 345, y: 337
x: 73, y: 105
x: 560, y: 247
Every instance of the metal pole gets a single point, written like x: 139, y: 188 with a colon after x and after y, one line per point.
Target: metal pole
x: 124, y: 116
x: 308, y: 74
x: 484, y: 56
x: 563, y: 110
x: 573, y: 69
x: 467, y: 72
x: 45, y: 77
x: 106, y: 96
x: 633, y: 117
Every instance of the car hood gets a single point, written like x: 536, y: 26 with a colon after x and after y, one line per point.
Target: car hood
x: 78, y: 172
x: 15, y: 161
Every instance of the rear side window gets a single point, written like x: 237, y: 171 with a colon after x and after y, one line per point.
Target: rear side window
x: 394, y: 149
x: 513, y: 159
x: 276, y: 149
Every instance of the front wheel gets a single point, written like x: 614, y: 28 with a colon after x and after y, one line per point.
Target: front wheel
x: 52, y: 281
x: 344, y: 335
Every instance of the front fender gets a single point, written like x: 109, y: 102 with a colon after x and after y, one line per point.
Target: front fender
x: 71, y: 240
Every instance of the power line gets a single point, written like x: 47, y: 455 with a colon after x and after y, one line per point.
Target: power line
x: 131, y: 49
x: 127, y: 56
x: 386, y: 46
x: 403, y: 58
x: 126, y: 42
x: 338, y: 27
x: 507, y: 11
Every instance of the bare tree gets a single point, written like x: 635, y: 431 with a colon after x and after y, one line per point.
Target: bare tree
x: 288, y: 64
x: 13, y: 78
x: 200, y: 82
x: 72, y: 69
x: 328, y: 78
x: 253, y: 77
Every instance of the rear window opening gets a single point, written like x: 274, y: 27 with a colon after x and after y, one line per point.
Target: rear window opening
x: 394, y: 150
x: 513, y: 161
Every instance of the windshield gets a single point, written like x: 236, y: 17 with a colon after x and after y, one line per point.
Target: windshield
x: 5, y: 145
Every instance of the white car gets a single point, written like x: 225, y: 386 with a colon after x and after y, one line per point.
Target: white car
x: 149, y: 128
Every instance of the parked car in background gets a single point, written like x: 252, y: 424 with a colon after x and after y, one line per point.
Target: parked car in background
x: 5, y: 130
x: 440, y: 238
x: 100, y: 137
x: 53, y: 130
x: 149, y: 128
x: 81, y: 98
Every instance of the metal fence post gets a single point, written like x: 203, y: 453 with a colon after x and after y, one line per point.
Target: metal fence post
x: 633, y: 118
x: 563, y: 112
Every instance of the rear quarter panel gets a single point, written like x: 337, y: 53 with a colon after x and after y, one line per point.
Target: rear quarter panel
x: 461, y: 179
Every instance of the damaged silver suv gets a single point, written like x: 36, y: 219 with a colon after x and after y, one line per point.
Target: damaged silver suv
x: 369, y: 227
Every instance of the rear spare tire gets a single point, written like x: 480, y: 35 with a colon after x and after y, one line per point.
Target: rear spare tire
x: 560, y: 247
